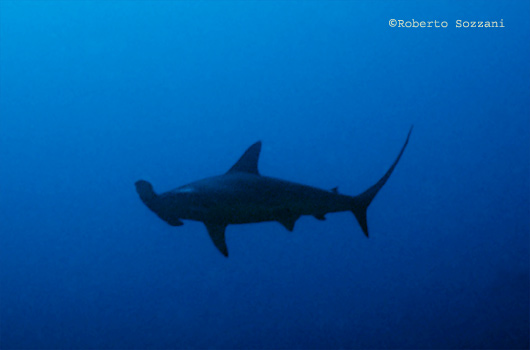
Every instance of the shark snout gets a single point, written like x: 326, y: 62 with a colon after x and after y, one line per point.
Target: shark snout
x: 145, y: 190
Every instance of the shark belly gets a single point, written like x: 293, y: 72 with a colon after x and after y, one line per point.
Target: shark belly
x: 250, y: 199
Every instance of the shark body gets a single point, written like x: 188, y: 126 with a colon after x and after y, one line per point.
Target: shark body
x: 244, y: 196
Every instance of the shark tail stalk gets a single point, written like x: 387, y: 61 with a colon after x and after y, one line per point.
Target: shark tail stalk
x: 362, y: 201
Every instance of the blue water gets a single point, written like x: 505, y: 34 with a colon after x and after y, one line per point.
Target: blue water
x: 95, y: 95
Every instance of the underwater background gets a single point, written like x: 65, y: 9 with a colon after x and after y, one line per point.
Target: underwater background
x: 95, y: 95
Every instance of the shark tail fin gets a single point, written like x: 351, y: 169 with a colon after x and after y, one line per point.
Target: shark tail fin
x: 362, y: 201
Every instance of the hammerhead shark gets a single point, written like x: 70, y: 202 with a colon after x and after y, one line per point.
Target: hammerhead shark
x: 243, y: 196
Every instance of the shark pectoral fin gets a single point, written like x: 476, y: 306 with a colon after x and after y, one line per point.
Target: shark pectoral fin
x: 217, y: 234
x: 320, y: 217
x: 287, y: 219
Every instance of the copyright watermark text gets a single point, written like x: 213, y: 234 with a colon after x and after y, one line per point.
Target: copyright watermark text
x: 459, y: 23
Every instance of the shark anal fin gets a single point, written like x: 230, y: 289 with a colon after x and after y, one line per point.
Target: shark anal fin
x: 320, y: 217
x: 217, y: 234
x: 287, y: 219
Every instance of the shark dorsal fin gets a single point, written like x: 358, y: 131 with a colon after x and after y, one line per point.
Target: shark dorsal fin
x: 248, y: 163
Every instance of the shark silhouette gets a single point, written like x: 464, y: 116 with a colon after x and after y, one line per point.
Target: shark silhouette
x: 243, y: 196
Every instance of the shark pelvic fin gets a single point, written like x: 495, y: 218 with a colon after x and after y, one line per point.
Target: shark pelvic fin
x: 287, y: 219
x: 217, y: 234
x: 320, y: 217
x: 248, y: 163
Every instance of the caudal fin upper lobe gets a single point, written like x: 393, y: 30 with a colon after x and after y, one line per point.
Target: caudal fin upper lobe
x: 361, y: 202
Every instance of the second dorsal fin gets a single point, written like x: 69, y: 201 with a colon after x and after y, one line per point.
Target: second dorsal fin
x: 248, y: 163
